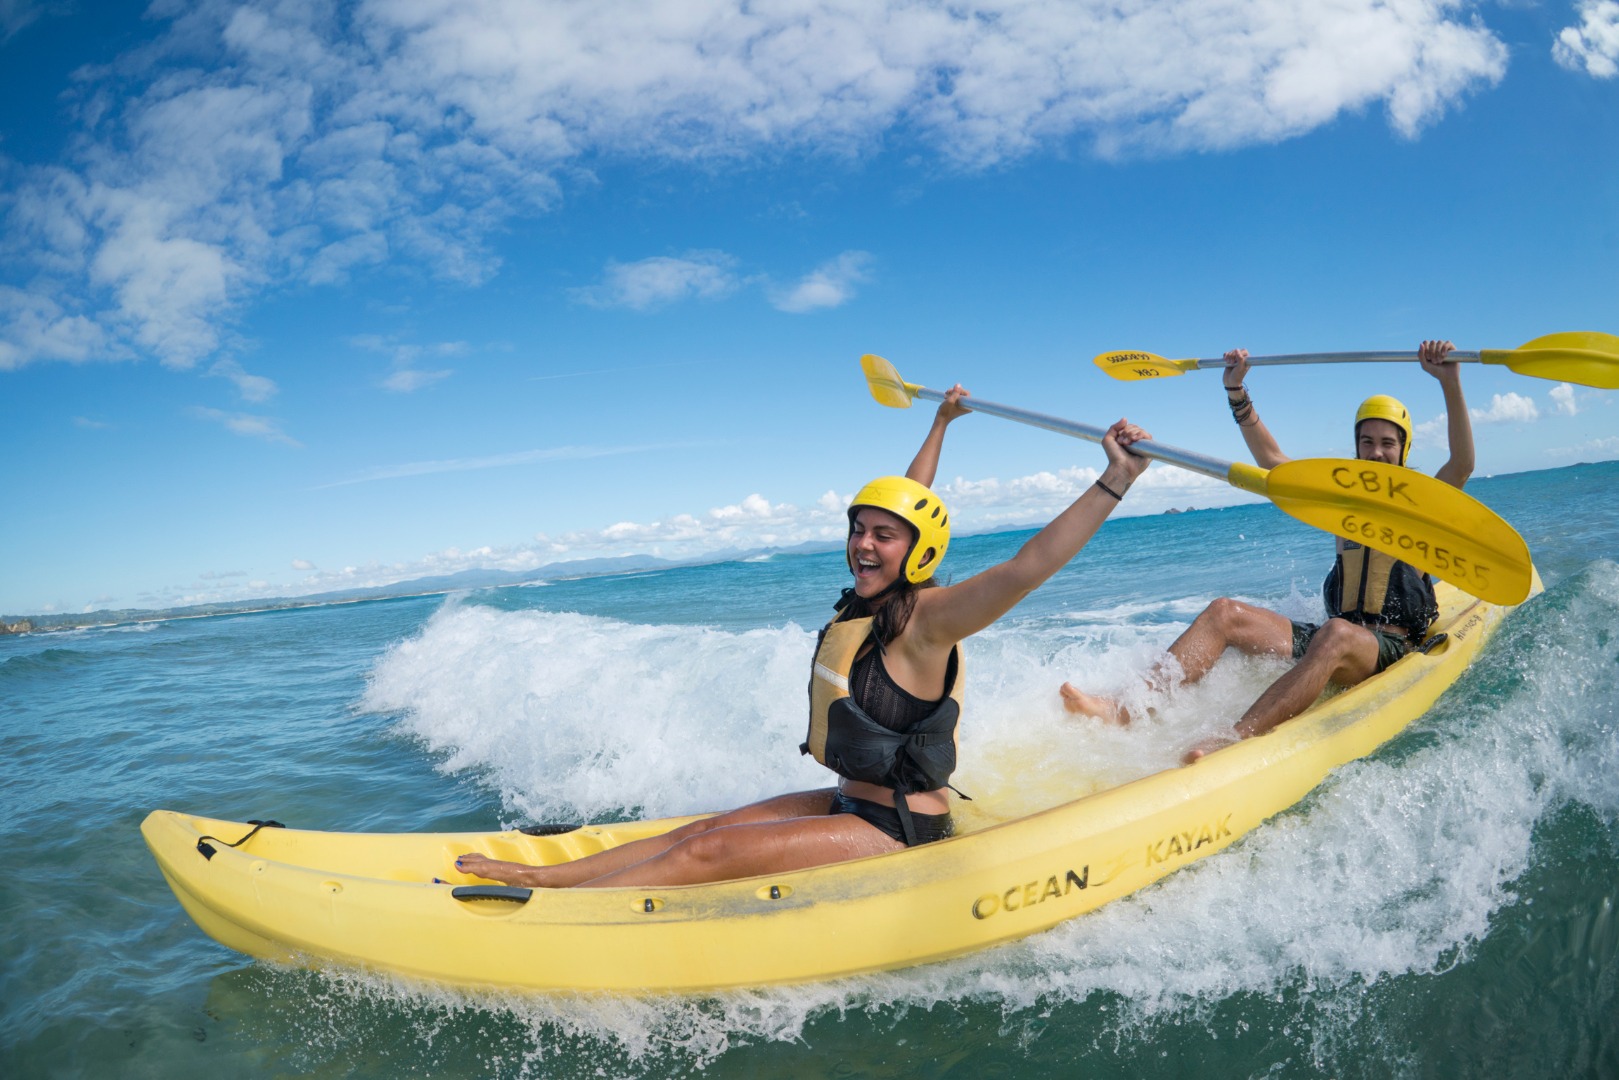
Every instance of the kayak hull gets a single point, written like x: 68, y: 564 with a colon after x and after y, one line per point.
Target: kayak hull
x: 369, y: 901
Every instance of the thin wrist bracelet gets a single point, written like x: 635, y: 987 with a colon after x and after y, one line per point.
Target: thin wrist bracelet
x: 1110, y: 491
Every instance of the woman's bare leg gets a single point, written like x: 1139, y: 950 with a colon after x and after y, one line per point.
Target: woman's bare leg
x: 764, y: 847
x: 578, y: 871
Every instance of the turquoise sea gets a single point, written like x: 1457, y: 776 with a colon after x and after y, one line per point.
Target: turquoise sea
x: 1442, y: 909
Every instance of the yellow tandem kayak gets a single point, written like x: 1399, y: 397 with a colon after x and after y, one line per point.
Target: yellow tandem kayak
x: 369, y: 901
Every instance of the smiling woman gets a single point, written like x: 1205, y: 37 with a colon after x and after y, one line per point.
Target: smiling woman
x: 885, y: 692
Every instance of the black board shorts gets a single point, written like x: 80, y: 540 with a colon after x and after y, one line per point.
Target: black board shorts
x: 1390, y: 646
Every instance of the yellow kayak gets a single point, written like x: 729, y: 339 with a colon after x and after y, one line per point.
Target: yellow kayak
x: 370, y: 901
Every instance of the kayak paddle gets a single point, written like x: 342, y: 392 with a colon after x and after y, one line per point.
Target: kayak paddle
x: 1428, y: 523
x: 1585, y: 357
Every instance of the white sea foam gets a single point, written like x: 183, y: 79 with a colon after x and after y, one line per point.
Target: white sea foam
x: 1395, y: 866
x: 573, y: 716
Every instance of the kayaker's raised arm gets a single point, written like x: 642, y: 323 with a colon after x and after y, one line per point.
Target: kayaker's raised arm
x: 926, y: 463
x: 961, y: 610
x: 1261, y: 443
x: 1459, y: 425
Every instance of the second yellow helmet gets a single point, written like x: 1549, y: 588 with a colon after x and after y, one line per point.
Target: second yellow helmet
x: 1383, y: 407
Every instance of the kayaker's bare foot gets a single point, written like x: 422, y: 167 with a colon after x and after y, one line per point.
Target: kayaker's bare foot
x: 1076, y: 700
x: 507, y: 873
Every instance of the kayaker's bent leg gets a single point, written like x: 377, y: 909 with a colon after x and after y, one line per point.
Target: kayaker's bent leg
x: 1340, y: 652
x: 1224, y: 624
x: 764, y: 847
x: 563, y: 875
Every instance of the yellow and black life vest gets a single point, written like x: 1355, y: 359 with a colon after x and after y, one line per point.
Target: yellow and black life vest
x: 1375, y: 589
x: 852, y: 744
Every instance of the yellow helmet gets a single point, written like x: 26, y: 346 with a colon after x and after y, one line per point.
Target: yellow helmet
x: 1383, y: 407
x: 918, y: 507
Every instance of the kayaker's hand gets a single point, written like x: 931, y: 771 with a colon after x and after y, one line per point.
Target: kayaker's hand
x: 951, y: 407
x: 1432, y: 355
x: 1122, y: 466
x: 1236, y: 369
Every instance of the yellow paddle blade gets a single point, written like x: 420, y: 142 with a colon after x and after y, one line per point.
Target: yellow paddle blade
x: 1585, y: 357
x: 1132, y: 365
x: 1419, y: 520
x: 885, y: 384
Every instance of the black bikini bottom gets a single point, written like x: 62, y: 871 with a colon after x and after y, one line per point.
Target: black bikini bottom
x: 929, y: 827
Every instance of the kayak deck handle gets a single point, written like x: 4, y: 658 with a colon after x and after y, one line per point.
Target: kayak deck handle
x: 549, y: 828
x: 492, y: 892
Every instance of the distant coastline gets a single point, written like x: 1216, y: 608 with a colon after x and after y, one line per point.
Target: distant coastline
x: 431, y: 586
x: 465, y: 580
x: 488, y: 579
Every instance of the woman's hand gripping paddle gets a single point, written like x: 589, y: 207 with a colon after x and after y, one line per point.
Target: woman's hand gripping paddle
x: 1585, y: 357
x: 1417, y: 519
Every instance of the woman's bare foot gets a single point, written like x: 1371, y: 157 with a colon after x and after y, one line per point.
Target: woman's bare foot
x: 508, y: 873
x: 1076, y: 700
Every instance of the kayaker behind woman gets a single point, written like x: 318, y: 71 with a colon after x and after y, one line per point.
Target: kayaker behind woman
x: 885, y: 692
x: 1378, y: 608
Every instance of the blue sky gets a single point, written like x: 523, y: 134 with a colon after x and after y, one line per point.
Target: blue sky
x: 299, y: 296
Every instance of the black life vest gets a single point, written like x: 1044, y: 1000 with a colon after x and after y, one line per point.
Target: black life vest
x: 1372, y: 588
x: 850, y: 743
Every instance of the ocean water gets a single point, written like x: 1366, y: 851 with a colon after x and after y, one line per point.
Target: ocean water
x: 1444, y: 908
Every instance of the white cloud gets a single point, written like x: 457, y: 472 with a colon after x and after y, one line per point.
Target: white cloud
x: 1592, y: 450
x: 829, y: 285
x: 1594, y: 44
x: 495, y: 461
x: 1562, y: 396
x: 406, y: 378
x: 405, y: 381
x: 251, y: 387
x: 35, y: 327
x: 16, y: 14
x: 974, y: 505
x: 752, y: 522
x: 1504, y: 408
x: 258, y: 144
x: 1508, y: 407
x: 258, y: 427
x: 86, y: 422
x: 654, y: 282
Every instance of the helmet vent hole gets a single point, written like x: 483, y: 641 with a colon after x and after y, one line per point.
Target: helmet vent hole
x: 920, y: 503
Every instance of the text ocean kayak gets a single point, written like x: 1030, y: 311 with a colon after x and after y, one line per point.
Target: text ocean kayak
x: 369, y: 901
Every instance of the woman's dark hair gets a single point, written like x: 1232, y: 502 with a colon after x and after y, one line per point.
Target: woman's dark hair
x: 889, y: 610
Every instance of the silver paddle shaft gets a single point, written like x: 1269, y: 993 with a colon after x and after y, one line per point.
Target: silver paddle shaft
x: 1169, y: 455
x: 1334, y: 358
